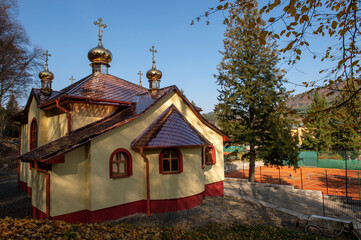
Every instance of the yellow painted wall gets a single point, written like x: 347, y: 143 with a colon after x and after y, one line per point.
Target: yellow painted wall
x: 34, y: 112
x: 169, y: 186
x: 38, y: 198
x: 70, y: 183
x: 83, y: 182
x: 133, y: 188
x: 84, y: 114
x: 57, y: 126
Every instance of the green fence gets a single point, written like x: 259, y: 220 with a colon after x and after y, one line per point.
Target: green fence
x: 229, y: 149
x: 308, y: 158
x: 320, y: 159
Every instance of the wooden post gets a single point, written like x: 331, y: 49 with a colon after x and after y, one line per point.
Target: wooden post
x: 326, y: 182
x: 301, y: 179
x: 279, y: 174
x: 260, y: 172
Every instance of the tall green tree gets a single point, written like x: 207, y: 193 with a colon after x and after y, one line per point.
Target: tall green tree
x: 251, y: 93
x: 346, y: 119
x: 298, y: 22
x: 317, y: 135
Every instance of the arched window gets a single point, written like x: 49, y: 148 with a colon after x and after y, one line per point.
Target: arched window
x: 33, y: 134
x: 210, y: 155
x: 120, y: 164
x: 170, y: 161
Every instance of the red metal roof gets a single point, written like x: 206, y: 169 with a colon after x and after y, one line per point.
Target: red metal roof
x: 99, y: 87
x: 170, y: 129
x: 82, y: 135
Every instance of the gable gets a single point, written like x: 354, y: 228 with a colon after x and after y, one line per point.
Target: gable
x: 170, y: 129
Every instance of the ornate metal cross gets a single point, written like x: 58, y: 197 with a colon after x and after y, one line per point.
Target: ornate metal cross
x: 72, y: 79
x: 100, y: 27
x: 154, y: 51
x: 140, y: 77
x: 47, y: 54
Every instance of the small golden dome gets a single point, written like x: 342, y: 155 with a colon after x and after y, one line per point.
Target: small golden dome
x: 99, y: 54
x: 46, y: 75
x: 154, y: 74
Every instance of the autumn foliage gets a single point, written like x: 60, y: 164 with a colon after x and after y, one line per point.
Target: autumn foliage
x: 12, y: 228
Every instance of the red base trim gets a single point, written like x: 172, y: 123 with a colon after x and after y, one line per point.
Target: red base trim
x: 24, y: 186
x: 156, y: 206
x: 214, y: 190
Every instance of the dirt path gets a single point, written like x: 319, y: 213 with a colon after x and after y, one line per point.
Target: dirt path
x: 225, y: 210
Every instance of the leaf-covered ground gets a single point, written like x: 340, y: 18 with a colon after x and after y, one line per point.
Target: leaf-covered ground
x: 12, y: 228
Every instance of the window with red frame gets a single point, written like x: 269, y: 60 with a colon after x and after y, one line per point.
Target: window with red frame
x: 33, y: 134
x: 210, y: 153
x: 120, y: 164
x: 170, y: 161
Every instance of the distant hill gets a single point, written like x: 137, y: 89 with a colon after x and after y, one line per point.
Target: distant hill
x: 302, y: 101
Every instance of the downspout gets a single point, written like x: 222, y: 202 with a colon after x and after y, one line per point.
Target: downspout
x: 67, y: 115
x: 147, y: 176
x: 47, y: 176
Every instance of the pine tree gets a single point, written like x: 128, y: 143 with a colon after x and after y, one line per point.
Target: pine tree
x: 346, y: 120
x: 317, y: 135
x: 251, y: 93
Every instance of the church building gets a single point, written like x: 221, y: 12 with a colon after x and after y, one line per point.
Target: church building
x: 104, y: 148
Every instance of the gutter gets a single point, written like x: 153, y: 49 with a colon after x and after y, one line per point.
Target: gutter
x: 47, y: 177
x: 147, y: 176
x: 67, y: 115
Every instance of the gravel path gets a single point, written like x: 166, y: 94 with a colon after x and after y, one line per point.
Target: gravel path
x: 225, y: 210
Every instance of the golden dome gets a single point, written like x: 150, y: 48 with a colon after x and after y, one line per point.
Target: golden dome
x: 99, y: 54
x: 46, y: 75
x: 154, y: 74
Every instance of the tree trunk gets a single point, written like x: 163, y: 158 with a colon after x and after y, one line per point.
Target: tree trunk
x: 252, y: 160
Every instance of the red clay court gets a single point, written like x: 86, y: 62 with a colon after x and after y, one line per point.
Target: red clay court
x: 329, y: 181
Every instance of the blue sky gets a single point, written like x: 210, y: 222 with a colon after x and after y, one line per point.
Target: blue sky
x: 187, y: 55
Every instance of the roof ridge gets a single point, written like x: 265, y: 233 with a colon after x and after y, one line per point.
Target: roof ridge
x: 128, y: 82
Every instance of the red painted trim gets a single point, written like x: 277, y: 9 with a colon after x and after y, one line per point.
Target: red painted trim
x: 214, y: 189
x: 56, y: 159
x: 129, y: 163
x: 34, y: 122
x: 180, y: 161
x: 147, y: 177
x: 24, y: 186
x: 67, y: 115
x: 202, y: 158
x: 38, y: 214
x: 157, y: 206
x: 213, y: 154
x: 66, y: 97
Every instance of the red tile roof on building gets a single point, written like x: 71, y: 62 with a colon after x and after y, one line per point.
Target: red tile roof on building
x: 99, y: 87
x: 106, y: 88
x: 82, y: 135
x: 170, y: 129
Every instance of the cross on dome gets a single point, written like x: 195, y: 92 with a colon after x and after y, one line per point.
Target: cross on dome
x: 140, y: 77
x: 154, y: 51
x: 47, y: 55
x: 100, y: 27
x: 72, y: 79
